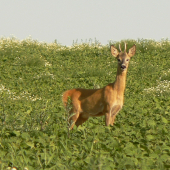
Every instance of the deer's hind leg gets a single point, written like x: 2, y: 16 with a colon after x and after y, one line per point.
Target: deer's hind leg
x: 73, y: 118
x: 81, y: 120
x: 74, y: 115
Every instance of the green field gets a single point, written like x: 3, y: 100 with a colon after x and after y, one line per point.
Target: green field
x: 33, y: 122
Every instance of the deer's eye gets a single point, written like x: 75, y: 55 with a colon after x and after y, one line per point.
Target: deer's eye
x: 118, y: 60
x: 127, y: 60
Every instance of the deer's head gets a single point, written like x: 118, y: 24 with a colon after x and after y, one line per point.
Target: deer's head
x: 123, y: 57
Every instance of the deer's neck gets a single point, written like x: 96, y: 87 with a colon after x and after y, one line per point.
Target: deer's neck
x: 120, y: 83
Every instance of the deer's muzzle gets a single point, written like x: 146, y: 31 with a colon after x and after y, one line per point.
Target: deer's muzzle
x: 123, y: 67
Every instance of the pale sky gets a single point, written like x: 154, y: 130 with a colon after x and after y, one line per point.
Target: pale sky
x: 71, y: 20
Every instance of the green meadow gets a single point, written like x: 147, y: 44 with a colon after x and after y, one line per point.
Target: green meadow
x: 34, y: 131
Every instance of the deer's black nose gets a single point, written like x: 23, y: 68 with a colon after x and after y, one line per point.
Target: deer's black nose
x: 123, y: 67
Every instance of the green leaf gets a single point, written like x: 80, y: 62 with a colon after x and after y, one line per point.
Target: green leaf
x: 17, y: 133
x: 31, y: 144
x: 164, y: 157
x: 165, y: 147
x: 164, y: 120
x: 150, y: 137
x: 25, y: 135
x: 153, y: 155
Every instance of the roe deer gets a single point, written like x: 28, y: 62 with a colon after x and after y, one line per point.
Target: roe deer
x: 106, y: 101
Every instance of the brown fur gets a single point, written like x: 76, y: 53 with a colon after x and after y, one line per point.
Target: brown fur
x: 106, y: 101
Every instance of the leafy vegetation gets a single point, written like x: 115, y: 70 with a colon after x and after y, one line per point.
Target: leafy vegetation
x: 33, y: 122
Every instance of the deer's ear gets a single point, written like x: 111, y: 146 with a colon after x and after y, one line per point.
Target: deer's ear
x: 114, y: 51
x: 132, y: 51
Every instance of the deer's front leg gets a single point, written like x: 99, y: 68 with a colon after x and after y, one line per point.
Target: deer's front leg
x: 112, y: 119
x: 115, y: 111
x: 107, y: 118
x: 107, y: 111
